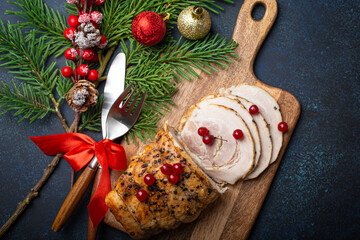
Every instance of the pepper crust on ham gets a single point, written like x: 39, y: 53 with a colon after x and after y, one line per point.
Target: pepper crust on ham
x: 167, y: 205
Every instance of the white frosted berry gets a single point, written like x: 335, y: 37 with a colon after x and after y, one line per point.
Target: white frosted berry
x: 84, y: 18
x: 71, y: 1
x: 96, y: 17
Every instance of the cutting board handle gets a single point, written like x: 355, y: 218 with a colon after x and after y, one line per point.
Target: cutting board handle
x: 250, y: 33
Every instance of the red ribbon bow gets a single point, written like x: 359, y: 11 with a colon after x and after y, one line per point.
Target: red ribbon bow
x: 79, y: 149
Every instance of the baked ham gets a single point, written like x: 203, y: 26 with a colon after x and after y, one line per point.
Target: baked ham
x: 167, y: 205
x: 207, y: 168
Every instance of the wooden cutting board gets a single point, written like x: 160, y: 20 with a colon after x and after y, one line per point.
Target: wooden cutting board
x: 233, y: 214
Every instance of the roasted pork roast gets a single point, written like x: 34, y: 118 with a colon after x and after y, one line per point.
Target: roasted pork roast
x: 206, y: 168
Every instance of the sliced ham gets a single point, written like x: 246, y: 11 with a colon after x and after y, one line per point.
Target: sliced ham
x: 227, y: 159
x: 268, y: 107
x: 265, y: 139
x: 237, y: 106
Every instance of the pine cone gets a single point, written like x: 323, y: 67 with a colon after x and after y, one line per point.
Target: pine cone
x: 87, y: 36
x: 82, y: 95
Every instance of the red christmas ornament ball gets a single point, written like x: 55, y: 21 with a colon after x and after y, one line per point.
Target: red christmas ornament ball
x: 73, y: 21
x: 148, y: 28
x: 66, y: 71
x: 93, y: 75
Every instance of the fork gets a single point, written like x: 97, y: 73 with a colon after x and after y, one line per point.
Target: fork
x: 119, y: 120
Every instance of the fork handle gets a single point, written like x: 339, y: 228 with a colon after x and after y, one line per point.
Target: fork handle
x: 74, y: 197
x: 91, y: 233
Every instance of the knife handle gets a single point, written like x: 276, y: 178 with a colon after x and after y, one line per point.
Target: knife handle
x: 73, y: 198
x: 91, y: 233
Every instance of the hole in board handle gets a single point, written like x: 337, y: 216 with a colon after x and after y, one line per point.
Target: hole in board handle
x: 258, y: 11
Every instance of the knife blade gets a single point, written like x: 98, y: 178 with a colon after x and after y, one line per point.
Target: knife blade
x: 114, y: 86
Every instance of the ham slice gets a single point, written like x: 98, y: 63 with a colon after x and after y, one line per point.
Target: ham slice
x: 227, y: 159
x: 265, y: 139
x: 237, y: 106
x: 268, y: 107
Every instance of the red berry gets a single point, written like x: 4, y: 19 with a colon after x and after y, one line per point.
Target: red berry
x: 283, y: 127
x: 208, y: 139
x: 96, y: 17
x: 88, y: 54
x: 166, y: 169
x: 149, y: 179
x: 66, y: 71
x: 96, y: 25
x: 253, y: 109
x: 95, y: 58
x: 100, y: 2
x: 83, y: 70
x: 93, y: 75
x: 178, y: 168
x: 141, y: 195
x: 69, y: 33
x: 71, y: 54
x: 73, y: 21
x: 203, y: 131
x: 173, y: 178
x: 238, y: 134
x: 84, y: 18
x: 103, y: 42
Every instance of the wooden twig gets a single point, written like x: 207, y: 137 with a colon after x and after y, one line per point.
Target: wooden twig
x: 34, y: 192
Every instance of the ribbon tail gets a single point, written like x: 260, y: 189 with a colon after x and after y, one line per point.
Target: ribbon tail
x: 97, y: 207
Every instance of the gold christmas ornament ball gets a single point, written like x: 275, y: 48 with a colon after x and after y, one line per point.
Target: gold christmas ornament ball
x: 194, y: 22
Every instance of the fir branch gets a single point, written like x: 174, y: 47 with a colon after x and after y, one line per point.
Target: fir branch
x: 63, y: 86
x: 207, y: 54
x: 24, y: 100
x: 46, y: 22
x: 26, y: 57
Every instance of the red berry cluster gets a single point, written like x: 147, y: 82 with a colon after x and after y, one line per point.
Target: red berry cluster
x: 78, y: 55
x: 172, y: 171
x: 206, y: 137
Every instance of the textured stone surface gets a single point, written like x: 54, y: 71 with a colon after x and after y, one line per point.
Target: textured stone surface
x: 312, y: 51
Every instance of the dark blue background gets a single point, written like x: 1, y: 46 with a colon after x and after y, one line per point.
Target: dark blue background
x: 313, y: 52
